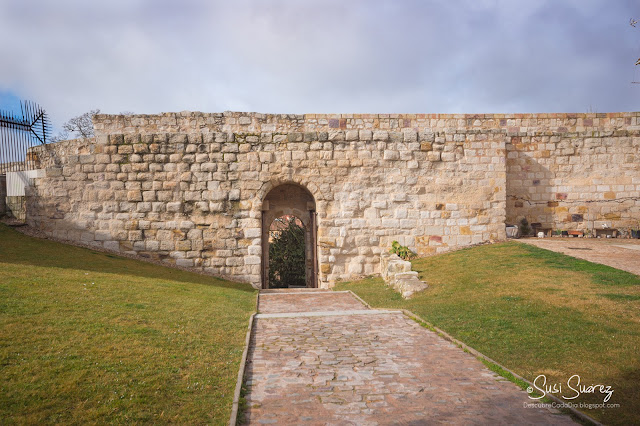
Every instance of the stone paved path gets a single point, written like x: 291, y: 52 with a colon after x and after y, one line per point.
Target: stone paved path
x: 383, y: 368
x: 303, y: 301
x: 618, y: 253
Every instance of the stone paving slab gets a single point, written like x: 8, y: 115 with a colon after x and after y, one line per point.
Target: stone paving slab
x: 615, y: 252
x: 304, y: 301
x: 373, y: 370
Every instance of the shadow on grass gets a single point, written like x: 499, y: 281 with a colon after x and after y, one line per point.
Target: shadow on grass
x: 20, y: 249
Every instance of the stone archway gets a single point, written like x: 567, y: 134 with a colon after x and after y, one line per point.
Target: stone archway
x: 290, y: 199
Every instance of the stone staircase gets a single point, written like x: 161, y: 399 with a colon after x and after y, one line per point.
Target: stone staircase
x: 398, y: 274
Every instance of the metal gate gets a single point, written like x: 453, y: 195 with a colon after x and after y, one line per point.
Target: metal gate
x: 19, y: 131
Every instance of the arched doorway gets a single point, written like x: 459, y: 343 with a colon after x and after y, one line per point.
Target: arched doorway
x: 291, y: 201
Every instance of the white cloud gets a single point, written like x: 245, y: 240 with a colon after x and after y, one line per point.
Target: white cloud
x: 320, y: 56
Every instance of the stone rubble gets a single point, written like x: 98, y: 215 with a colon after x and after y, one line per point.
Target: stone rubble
x: 398, y: 274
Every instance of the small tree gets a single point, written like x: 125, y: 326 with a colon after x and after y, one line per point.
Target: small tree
x: 77, y: 127
x: 633, y: 23
x: 286, y: 257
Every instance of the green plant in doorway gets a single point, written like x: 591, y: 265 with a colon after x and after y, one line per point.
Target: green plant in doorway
x: 286, y: 255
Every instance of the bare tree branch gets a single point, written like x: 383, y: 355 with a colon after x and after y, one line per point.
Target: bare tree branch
x: 633, y: 23
x: 81, y: 125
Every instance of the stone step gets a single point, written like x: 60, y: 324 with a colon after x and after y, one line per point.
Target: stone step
x: 294, y: 290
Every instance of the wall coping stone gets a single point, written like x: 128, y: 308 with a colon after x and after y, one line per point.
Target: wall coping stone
x: 234, y: 121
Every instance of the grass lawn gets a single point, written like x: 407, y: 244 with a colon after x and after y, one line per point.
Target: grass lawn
x: 88, y: 337
x: 535, y: 312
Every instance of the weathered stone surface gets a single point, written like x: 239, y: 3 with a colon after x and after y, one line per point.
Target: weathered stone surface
x: 398, y: 274
x: 574, y: 179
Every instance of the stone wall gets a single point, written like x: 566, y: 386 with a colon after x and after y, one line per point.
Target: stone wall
x: 243, y: 122
x: 565, y: 171
x: 195, y: 199
x: 189, y: 188
x: 574, y: 180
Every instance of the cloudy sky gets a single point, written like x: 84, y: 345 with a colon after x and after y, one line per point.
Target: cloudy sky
x: 306, y: 56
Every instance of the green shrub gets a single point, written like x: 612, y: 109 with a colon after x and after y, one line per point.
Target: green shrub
x: 402, y: 251
x: 286, y: 257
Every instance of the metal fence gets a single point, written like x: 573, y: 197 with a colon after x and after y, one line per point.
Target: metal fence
x: 19, y: 131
